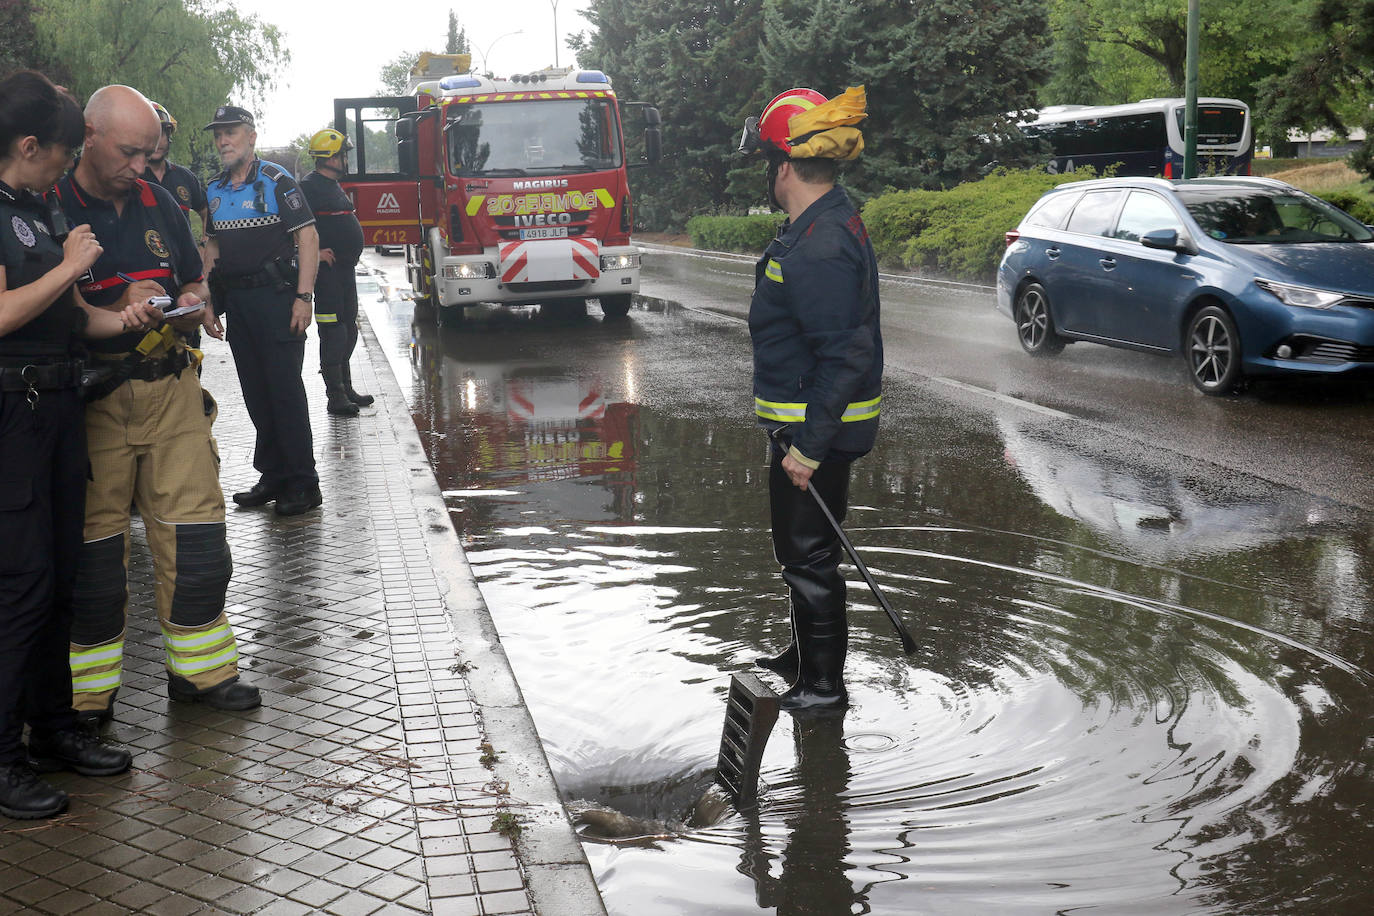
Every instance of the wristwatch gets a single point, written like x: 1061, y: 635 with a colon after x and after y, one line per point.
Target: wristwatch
x: 307, y: 298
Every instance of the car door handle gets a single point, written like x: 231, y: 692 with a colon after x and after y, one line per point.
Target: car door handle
x: 1052, y: 253
x: 1107, y: 263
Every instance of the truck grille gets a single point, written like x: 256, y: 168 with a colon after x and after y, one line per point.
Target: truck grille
x: 547, y: 286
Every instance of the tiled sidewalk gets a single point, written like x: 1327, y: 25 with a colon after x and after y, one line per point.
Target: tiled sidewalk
x: 392, y: 742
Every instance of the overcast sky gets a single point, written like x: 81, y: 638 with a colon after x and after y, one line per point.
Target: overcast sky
x: 338, y: 49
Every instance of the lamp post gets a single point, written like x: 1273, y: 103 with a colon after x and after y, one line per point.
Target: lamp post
x: 1190, y: 92
x: 554, y: 3
x: 486, y: 69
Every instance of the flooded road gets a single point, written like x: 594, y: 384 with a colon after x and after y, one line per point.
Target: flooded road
x: 1142, y: 686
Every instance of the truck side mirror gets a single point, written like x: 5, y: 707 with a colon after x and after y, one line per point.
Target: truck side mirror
x: 653, y: 135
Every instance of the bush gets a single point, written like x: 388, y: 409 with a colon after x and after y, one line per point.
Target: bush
x: 957, y: 233
x: 750, y: 234
x: 1352, y: 203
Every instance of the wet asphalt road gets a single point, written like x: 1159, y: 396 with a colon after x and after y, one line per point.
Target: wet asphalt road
x: 1144, y: 616
x: 1316, y: 437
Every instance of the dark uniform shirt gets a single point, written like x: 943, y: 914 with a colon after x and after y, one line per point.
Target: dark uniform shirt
x: 334, y: 219
x: 30, y: 250
x: 813, y: 320
x: 150, y: 240
x: 253, y: 222
x: 183, y: 184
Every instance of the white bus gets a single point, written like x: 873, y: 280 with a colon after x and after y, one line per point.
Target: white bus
x: 1146, y: 137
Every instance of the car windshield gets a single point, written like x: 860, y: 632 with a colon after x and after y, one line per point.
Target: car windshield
x: 1269, y: 216
x: 551, y: 137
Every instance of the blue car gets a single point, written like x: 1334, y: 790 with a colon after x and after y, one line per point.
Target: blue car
x: 1244, y: 277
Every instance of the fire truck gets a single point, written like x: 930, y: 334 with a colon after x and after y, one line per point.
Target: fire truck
x: 510, y: 191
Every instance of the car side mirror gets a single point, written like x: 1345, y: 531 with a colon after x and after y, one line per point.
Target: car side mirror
x: 1168, y: 240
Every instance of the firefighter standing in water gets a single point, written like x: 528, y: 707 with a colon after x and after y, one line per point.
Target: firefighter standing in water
x: 148, y: 429
x: 818, y: 365
x: 336, y: 287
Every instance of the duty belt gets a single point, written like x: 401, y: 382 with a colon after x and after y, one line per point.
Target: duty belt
x: 274, y: 273
x: 39, y: 376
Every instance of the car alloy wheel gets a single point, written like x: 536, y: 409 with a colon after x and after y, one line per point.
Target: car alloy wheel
x: 1213, y: 351
x: 1034, y: 326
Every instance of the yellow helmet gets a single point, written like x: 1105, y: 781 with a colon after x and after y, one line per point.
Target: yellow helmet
x: 164, y: 116
x: 328, y: 142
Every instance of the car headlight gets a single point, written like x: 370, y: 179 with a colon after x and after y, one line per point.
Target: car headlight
x: 469, y: 270
x: 1304, y: 296
x: 619, y: 261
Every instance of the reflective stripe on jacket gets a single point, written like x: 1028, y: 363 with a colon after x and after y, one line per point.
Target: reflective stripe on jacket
x: 814, y: 323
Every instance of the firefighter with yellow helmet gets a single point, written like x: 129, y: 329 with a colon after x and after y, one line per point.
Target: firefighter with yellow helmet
x: 818, y: 366
x: 336, y: 289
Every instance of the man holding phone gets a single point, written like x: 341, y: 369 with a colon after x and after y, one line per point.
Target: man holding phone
x: 148, y: 428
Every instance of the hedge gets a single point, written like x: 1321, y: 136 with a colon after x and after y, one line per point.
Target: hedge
x: 1357, y: 206
x: 734, y: 233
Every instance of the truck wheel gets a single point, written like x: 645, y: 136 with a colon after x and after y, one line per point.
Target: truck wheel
x: 449, y: 316
x: 617, y: 306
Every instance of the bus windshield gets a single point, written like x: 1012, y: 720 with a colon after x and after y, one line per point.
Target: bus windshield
x: 1217, y: 125
x: 550, y: 137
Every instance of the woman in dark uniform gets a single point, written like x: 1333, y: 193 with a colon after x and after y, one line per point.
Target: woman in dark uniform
x: 42, y: 447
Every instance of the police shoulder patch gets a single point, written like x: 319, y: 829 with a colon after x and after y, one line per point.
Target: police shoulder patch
x: 214, y: 204
x: 23, y: 231
x: 293, y: 200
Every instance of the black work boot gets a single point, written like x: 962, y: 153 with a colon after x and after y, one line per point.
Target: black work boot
x: 362, y: 400
x: 261, y: 494
x: 232, y: 694
x: 338, y: 402
x: 300, y: 501
x: 25, y: 797
x: 820, y: 683
x: 93, y: 720
x: 78, y: 750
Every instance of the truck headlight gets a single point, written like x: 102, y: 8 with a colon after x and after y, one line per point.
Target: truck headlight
x: 469, y: 270
x: 619, y: 262
x: 1304, y: 296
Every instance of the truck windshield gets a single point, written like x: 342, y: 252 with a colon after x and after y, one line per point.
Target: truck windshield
x: 544, y: 137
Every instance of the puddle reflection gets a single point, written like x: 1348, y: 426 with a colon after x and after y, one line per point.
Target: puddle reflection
x: 1138, y: 689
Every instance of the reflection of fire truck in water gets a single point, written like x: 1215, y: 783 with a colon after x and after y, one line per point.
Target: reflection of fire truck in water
x: 512, y: 191
x: 499, y: 425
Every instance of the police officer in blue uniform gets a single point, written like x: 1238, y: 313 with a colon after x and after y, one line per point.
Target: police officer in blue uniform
x: 336, y: 288
x: 818, y: 366
x: 42, y: 446
x: 263, y: 249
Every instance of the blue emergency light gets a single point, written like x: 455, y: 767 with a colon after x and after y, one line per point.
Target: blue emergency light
x: 592, y: 76
x: 459, y: 82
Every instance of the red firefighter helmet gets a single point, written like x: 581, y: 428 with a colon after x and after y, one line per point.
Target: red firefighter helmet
x: 769, y: 132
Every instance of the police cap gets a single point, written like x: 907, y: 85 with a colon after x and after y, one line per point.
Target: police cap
x: 225, y: 115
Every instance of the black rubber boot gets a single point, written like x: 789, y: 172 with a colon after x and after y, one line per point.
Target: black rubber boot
x: 25, y: 797
x: 338, y: 402
x: 362, y: 400
x: 784, y: 663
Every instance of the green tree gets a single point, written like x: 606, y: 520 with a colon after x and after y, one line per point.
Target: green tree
x: 190, y: 55
x: 395, y: 73
x: 1330, y: 82
x: 944, y: 78
x: 457, y: 37
x: 1072, y: 77
x: 697, y: 60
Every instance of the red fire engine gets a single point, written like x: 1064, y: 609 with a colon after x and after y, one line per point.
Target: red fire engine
x: 511, y: 190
